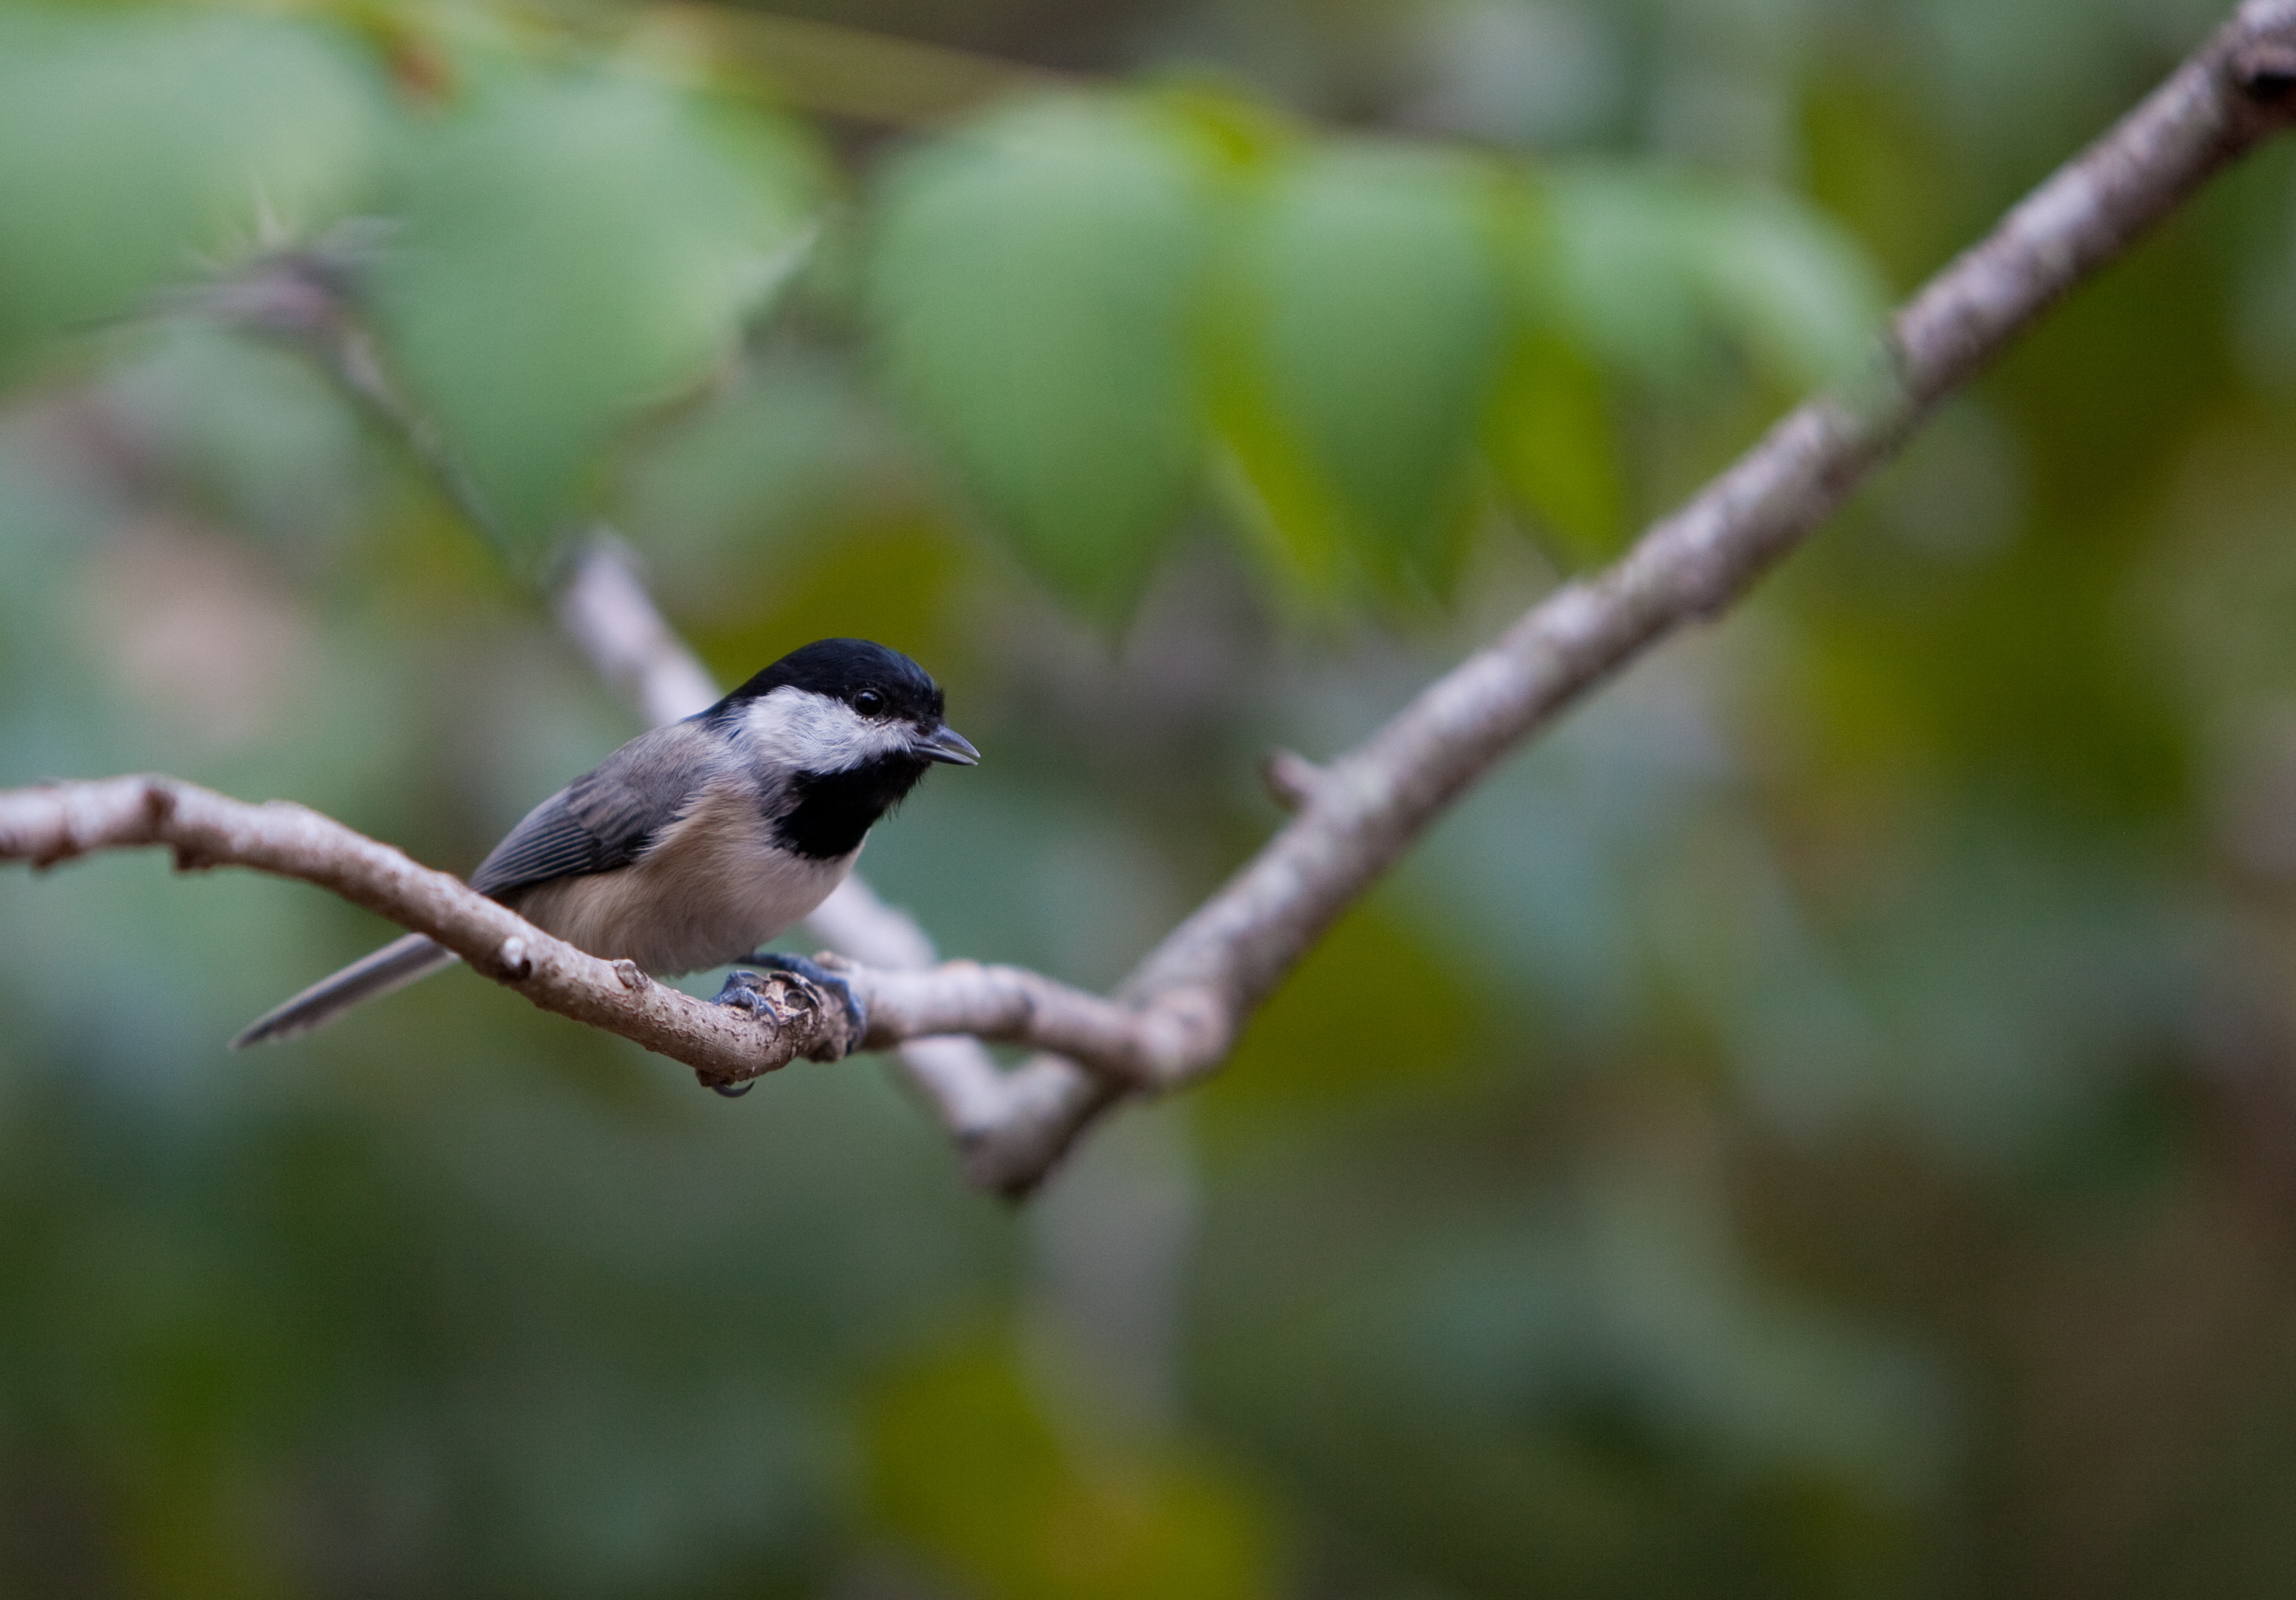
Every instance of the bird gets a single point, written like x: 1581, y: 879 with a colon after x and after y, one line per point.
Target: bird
x: 694, y: 844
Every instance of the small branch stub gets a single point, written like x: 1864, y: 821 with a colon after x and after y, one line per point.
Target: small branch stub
x: 1290, y: 778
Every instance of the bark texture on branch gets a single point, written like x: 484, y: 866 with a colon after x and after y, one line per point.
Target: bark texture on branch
x: 54, y: 823
x: 1177, y: 1016
x: 45, y: 825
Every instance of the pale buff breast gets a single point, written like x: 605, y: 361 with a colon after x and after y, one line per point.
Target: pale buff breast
x: 710, y: 891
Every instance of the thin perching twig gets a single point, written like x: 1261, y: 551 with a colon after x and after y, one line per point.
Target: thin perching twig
x: 53, y: 823
x: 57, y: 822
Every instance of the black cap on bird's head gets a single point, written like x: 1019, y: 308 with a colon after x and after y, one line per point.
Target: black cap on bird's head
x: 877, y: 682
x: 844, y: 668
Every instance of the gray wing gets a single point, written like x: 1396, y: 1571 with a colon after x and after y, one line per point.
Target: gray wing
x: 606, y: 818
x: 551, y: 843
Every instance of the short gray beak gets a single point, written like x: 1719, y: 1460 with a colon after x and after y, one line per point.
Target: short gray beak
x: 945, y: 743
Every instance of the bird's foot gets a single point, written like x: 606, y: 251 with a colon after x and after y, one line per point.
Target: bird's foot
x: 826, y: 981
x: 786, y: 987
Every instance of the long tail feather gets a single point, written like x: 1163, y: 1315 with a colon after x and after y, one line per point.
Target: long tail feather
x: 392, y: 967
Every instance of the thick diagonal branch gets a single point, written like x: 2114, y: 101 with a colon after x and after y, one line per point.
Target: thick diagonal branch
x: 1365, y: 808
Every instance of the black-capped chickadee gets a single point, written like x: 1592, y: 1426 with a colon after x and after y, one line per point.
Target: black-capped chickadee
x: 693, y: 845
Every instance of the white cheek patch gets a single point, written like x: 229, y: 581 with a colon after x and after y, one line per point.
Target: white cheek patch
x: 812, y: 733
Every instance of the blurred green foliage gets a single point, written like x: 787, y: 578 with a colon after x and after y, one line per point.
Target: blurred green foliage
x: 137, y: 143
x: 1032, y: 284
x: 577, y: 248
x: 1819, y: 1124
x: 963, y: 1463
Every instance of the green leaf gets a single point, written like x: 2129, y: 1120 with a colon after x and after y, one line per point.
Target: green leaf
x: 1617, y: 269
x: 1549, y: 442
x: 1032, y: 289
x: 1794, y: 286
x: 579, y: 248
x: 1375, y: 272
x: 1277, y: 499
x: 1652, y: 271
x: 135, y: 147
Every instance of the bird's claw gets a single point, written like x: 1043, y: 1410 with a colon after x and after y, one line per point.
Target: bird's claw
x: 856, y: 1015
x: 784, y: 985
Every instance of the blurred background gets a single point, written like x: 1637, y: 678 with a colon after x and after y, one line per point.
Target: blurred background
x: 1842, y: 1141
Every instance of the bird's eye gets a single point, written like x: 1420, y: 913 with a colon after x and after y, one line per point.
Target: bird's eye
x: 868, y: 702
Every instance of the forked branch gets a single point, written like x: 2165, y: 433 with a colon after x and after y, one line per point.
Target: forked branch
x: 1177, y: 1016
